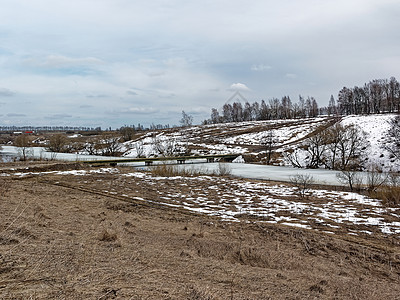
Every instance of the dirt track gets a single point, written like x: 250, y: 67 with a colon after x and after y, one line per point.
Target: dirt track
x: 63, y: 243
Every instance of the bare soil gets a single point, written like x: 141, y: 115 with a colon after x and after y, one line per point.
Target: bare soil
x: 60, y: 241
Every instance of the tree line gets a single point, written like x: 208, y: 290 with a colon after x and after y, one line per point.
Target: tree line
x: 274, y: 109
x: 377, y: 96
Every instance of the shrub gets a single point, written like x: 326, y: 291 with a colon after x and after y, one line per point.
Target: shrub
x: 224, y: 169
x: 389, y: 192
x: 351, y: 178
x: 164, y: 170
x: 302, y: 183
x: 167, y: 170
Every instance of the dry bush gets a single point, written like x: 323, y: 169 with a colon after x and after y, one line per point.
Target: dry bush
x: 390, y: 195
x: 23, y: 143
x: 108, y: 236
x: 302, y: 183
x: 388, y: 191
x: 57, y: 143
x: 351, y: 178
x: 224, y: 169
x: 375, y: 179
x: 166, y: 170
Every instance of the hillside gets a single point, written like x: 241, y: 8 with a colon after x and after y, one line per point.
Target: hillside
x: 248, y: 138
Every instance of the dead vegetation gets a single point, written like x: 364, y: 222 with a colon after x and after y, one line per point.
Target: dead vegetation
x: 303, y: 184
x: 169, y: 170
x: 59, y: 242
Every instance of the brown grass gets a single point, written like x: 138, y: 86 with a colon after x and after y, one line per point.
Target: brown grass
x: 200, y: 293
x: 167, y: 170
x: 63, y: 243
x: 4, y: 187
x: 390, y: 195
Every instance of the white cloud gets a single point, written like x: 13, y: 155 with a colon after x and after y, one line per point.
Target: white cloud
x: 60, y: 61
x: 260, y: 67
x: 239, y: 87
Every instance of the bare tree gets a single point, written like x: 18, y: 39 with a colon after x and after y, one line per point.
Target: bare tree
x: 311, y: 153
x: 23, y: 142
x: 165, y: 146
x: 316, y: 147
x: 333, y: 136
x: 375, y: 178
x: 332, y: 106
x: 110, y: 144
x: 215, y: 117
x: 127, y: 133
x: 352, y: 147
x: 57, y: 143
x: 186, y: 120
x: 92, y: 147
x: 139, y: 149
x: 292, y: 156
x: 352, y: 178
x: 339, y: 147
x: 269, y: 141
x: 303, y: 183
x: 347, y: 146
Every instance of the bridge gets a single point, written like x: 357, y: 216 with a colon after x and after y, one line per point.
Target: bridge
x: 149, y: 160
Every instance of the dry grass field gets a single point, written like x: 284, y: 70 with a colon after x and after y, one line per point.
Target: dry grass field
x: 63, y: 239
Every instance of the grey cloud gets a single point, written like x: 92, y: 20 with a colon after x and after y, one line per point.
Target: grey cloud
x: 58, y: 116
x: 6, y: 92
x: 291, y: 75
x: 156, y: 74
x: 132, y: 93
x: 60, y: 61
x: 15, y: 115
x: 168, y: 96
x: 136, y: 110
x: 332, y: 43
x: 97, y: 96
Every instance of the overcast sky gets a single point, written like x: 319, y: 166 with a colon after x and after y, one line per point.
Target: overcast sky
x: 116, y: 62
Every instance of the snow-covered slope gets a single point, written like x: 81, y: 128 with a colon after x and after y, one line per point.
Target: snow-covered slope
x: 376, y: 127
x: 248, y: 137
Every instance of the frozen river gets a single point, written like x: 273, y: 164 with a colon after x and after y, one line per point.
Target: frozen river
x: 251, y: 171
